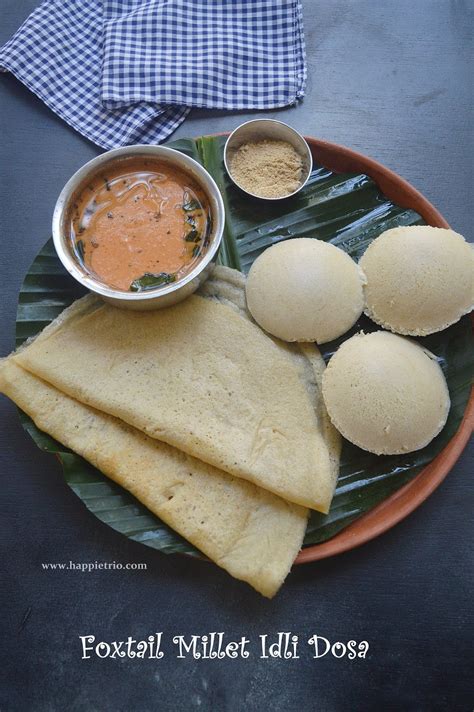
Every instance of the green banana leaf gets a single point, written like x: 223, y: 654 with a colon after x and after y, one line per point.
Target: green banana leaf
x: 347, y: 210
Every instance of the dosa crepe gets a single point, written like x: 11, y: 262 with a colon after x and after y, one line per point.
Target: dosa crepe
x: 198, y: 377
x: 251, y: 533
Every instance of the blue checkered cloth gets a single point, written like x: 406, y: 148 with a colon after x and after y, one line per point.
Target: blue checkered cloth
x: 216, y: 54
x: 128, y: 71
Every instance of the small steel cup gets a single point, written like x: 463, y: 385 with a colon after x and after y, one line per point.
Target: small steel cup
x: 259, y: 130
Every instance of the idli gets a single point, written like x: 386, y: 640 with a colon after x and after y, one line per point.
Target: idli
x: 420, y: 279
x: 305, y: 290
x: 385, y: 393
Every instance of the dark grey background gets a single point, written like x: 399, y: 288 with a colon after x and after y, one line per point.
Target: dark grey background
x: 390, y: 79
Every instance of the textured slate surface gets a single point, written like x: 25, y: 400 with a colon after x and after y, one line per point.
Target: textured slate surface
x: 389, y: 79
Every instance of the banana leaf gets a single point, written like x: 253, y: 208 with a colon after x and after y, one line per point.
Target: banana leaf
x: 347, y: 210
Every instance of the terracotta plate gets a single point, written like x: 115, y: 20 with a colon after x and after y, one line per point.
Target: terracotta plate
x: 374, y: 522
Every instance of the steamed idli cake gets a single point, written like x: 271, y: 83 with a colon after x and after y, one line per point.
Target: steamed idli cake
x: 420, y: 279
x: 249, y: 532
x: 305, y: 290
x: 385, y: 393
x: 196, y: 376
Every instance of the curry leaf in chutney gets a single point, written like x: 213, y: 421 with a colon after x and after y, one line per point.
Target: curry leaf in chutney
x: 191, y: 205
x: 193, y: 236
x: 151, y: 281
x: 207, y: 237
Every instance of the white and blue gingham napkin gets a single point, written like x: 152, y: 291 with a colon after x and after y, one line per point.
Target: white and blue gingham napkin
x: 217, y: 54
x: 128, y: 71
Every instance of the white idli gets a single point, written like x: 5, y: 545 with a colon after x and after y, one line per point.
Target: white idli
x: 305, y: 290
x: 420, y: 279
x: 385, y: 393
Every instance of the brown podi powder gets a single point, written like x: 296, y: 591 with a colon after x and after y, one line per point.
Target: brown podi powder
x: 268, y: 168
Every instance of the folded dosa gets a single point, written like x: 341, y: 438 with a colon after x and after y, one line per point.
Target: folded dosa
x: 248, y: 531
x: 198, y: 377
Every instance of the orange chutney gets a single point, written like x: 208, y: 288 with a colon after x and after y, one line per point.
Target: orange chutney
x: 140, y: 224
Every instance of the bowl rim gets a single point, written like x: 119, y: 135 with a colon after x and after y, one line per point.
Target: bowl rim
x: 292, y: 130
x: 80, y: 175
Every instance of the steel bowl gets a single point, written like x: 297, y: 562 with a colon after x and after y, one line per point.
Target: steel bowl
x: 165, y: 295
x: 259, y: 130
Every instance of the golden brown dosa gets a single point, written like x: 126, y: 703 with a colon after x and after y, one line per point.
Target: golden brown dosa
x: 198, y: 377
